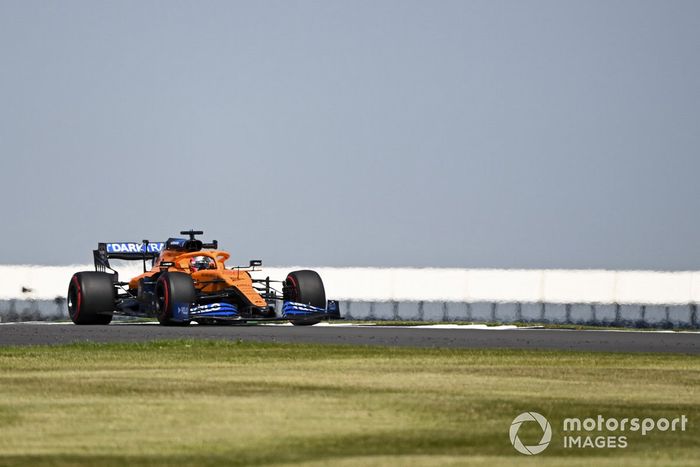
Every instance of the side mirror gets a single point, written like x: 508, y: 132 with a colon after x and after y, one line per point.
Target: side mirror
x: 255, y: 263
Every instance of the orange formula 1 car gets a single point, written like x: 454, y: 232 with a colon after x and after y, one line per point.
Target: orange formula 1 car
x: 188, y: 281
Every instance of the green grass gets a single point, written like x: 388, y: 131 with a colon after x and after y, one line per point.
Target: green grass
x: 223, y: 403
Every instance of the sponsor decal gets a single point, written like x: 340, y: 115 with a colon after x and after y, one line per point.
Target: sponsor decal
x: 177, y: 242
x: 127, y: 247
x: 181, y: 312
x: 214, y: 307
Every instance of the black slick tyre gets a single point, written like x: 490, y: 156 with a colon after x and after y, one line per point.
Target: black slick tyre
x: 305, y: 287
x: 91, y: 297
x: 174, y: 290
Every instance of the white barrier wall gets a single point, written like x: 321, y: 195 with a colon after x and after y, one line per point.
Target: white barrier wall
x: 638, y: 316
x: 428, y: 285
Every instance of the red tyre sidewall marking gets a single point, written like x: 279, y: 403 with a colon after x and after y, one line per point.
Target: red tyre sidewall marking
x: 80, y: 298
x: 166, y: 301
x: 295, y: 286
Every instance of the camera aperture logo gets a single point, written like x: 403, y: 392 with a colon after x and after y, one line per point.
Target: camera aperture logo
x: 546, y: 433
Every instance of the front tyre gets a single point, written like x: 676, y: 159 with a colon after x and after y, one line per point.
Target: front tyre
x: 305, y: 287
x: 91, y: 297
x: 175, y: 294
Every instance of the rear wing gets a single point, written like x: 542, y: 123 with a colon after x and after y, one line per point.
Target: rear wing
x: 129, y: 251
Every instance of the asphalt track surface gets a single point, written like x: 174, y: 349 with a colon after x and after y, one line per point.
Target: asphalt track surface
x: 523, y: 338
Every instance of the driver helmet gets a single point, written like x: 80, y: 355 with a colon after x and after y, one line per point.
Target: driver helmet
x: 198, y: 263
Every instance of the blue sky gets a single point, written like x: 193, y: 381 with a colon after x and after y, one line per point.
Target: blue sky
x: 541, y: 134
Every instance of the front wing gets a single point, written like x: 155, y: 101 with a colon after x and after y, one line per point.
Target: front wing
x: 228, y: 312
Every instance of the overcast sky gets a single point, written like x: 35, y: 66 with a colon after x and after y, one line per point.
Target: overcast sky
x: 516, y: 134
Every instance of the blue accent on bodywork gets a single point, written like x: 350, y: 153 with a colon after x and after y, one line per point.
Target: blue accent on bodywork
x: 294, y: 309
x: 181, y: 312
x: 333, y: 308
x: 216, y: 314
x: 176, y: 243
x: 215, y: 309
x: 300, y: 309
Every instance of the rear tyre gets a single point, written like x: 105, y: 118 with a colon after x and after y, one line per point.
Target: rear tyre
x: 174, y: 290
x: 305, y: 287
x: 91, y: 297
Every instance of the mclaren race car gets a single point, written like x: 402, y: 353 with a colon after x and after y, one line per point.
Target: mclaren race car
x: 188, y: 281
